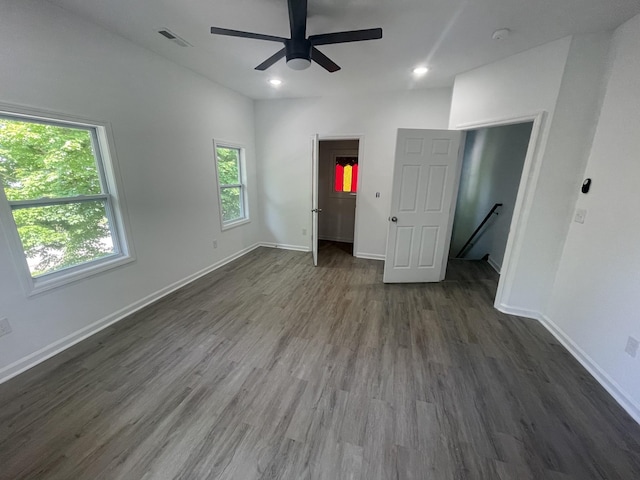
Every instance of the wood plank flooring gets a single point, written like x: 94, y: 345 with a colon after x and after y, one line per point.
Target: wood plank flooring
x: 271, y: 369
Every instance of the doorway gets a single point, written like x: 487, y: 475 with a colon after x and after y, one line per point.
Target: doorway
x: 338, y: 180
x: 492, y: 166
x: 525, y: 191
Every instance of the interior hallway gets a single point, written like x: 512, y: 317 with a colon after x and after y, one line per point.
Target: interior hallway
x: 271, y: 368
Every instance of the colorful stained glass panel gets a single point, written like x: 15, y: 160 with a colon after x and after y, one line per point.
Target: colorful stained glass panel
x: 354, y: 178
x: 339, y: 178
x: 346, y: 182
x: 346, y: 174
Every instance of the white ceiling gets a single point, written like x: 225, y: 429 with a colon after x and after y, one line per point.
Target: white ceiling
x: 449, y: 36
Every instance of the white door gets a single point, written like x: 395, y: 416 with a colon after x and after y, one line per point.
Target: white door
x: 314, y: 198
x: 423, y: 196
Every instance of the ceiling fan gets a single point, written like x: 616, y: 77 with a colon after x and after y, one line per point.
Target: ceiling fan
x: 299, y: 49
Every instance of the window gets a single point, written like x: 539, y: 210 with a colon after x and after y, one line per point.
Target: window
x: 231, y: 185
x: 59, y: 196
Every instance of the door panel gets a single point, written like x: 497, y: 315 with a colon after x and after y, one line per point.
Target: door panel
x: 404, y: 238
x: 425, y: 182
x: 435, y: 188
x: 409, y: 193
x: 428, y: 246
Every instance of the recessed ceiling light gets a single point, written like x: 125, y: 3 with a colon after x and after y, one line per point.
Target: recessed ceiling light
x: 275, y: 82
x: 419, y: 71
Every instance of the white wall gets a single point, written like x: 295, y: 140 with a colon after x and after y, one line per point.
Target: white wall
x: 337, y: 220
x: 163, y: 119
x: 283, y: 136
x: 491, y: 171
x: 564, y: 79
x: 596, y: 302
x: 518, y: 85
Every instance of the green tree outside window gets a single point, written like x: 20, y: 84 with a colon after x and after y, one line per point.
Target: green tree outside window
x: 229, y: 177
x: 44, y: 161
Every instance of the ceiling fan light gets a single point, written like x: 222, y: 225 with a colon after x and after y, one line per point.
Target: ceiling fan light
x: 298, y: 63
x: 419, y: 71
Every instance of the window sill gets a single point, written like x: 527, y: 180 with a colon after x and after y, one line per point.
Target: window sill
x: 235, y: 223
x: 65, y: 277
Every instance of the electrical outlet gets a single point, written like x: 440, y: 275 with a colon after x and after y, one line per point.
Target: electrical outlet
x: 632, y: 346
x: 581, y: 213
x: 5, y: 327
x: 215, y: 243
x: 304, y: 231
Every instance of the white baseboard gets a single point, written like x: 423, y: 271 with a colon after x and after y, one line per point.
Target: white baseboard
x: 370, y: 256
x: 603, y: 378
x: 58, y: 346
x: 284, y: 246
x: 335, y: 239
x: 609, y: 384
x: 519, y: 312
x: 494, y: 265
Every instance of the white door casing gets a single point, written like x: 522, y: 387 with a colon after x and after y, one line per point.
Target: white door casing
x: 315, y: 140
x: 425, y: 185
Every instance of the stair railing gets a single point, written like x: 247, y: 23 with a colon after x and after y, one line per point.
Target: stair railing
x: 477, y: 230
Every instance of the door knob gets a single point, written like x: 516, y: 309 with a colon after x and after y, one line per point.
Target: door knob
x: 394, y: 219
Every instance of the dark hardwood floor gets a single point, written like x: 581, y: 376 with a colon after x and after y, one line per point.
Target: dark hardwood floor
x: 270, y: 368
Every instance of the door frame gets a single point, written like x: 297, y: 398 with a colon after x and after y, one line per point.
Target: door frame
x: 360, y: 139
x: 315, y: 211
x: 524, y: 199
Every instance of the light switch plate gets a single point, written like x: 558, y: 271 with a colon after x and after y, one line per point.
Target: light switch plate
x: 581, y: 214
x: 5, y: 327
x: 632, y: 346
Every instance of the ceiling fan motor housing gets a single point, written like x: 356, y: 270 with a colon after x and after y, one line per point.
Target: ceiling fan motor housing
x: 298, y: 52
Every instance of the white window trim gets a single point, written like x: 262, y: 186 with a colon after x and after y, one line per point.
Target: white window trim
x: 334, y: 155
x: 108, y: 165
x: 243, y: 185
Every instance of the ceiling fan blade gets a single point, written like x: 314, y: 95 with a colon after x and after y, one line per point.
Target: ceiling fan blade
x: 239, y: 33
x: 271, y: 60
x: 344, y: 37
x: 324, y: 61
x: 298, y: 18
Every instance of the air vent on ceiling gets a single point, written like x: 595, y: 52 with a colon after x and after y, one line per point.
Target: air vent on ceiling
x: 165, y: 32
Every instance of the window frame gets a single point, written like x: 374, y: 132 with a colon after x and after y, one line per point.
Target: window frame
x: 334, y: 155
x: 112, y: 198
x: 226, y: 225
